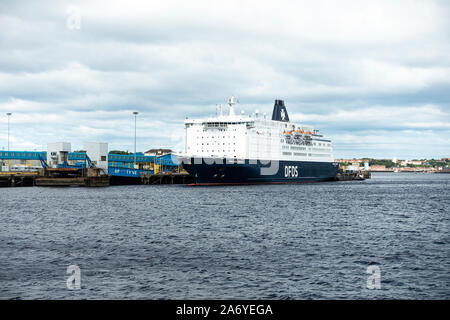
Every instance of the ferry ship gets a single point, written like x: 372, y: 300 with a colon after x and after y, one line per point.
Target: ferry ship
x: 251, y: 149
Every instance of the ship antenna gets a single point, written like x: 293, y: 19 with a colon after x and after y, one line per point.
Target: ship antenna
x: 231, y: 103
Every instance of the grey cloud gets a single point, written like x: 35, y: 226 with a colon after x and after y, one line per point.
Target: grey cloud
x: 169, y: 60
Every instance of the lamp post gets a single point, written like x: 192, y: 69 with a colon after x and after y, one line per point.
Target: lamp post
x: 8, y: 114
x: 135, y: 116
x: 9, y: 161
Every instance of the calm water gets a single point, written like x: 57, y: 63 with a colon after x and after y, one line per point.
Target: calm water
x: 306, y: 241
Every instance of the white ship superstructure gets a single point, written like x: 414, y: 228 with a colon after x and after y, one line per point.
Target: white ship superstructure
x: 254, y: 137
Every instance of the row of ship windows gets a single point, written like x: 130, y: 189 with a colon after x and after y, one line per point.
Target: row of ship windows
x: 205, y: 130
x: 221, y: 124
x: 229, y: 143
x: 305, y: 154
x: 304, y: 148
x: 297, y: 148
x: 321, y: 149
x: 217, y: 129
x: 282, y: 140
x: 217, y: 137
x: 213, y: 151
x: 319, y: 144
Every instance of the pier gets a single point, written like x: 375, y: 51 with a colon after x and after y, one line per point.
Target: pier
x: 17, y: 179
x: 353, y: 175
x: 61, y: 167
x: 167, y: 178
x: 55, y: 177
x: 65, y: 177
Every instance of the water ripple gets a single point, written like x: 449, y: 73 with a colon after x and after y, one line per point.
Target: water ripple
x: 306, y: 241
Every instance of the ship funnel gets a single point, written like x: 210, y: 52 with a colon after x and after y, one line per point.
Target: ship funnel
x: 280, y: 112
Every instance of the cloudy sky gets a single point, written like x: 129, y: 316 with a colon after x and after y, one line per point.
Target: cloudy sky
x: 372, y: 75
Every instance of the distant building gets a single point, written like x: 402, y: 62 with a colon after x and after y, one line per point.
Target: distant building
x: 157, y: 152
x: 366, y: 166
x: 412, y: 162
x: 98, y: 153
x: 377, y: 167
x: 353, y: 161
x: 58, y: 152
x: 352, y: 168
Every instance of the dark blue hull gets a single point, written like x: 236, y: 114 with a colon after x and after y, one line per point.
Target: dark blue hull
x: 221, y: 171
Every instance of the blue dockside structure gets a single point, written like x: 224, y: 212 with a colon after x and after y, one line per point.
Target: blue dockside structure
x: 123, y: 165
x: 22, y: 155
x: 118, y: 164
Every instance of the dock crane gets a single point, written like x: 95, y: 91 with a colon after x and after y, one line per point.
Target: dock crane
x: 44, y: 163
x: 87, y: 164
